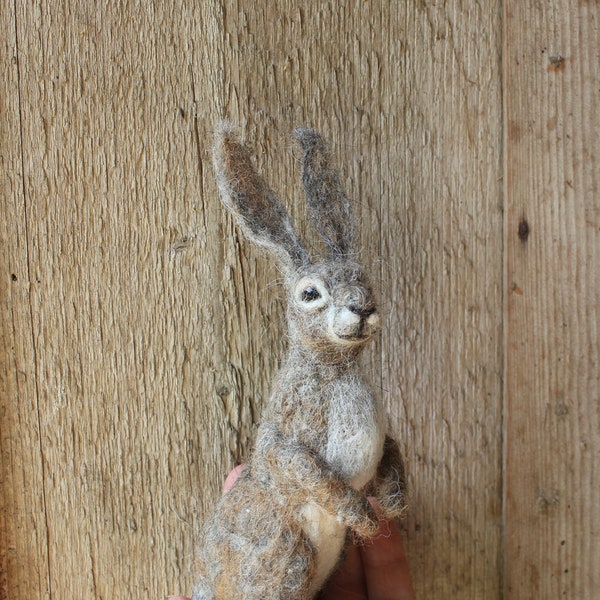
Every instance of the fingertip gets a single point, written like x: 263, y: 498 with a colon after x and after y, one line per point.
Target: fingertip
x: 385, y: 562
x: 348, y: 581
x: 233, y: 476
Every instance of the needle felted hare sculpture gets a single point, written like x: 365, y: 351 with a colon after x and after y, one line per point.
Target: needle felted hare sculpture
x: 321, y: 446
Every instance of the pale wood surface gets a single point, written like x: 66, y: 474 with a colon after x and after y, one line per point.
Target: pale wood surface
x: 23, y: 525
x: 552, y: 91
x: 140, y: 333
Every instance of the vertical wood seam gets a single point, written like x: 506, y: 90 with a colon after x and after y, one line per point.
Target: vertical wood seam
x: 197, y: 140
x: 503, y: 384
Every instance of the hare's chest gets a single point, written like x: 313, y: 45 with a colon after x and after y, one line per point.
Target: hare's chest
x: 355, y: 433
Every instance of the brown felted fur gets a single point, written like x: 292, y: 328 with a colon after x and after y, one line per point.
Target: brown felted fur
x: 321, y: 446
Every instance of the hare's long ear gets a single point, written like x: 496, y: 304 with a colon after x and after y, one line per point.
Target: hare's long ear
x: 255, y: 206
x: 328, y: 206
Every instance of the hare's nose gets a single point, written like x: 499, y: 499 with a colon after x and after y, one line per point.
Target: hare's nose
x: 363, y: 313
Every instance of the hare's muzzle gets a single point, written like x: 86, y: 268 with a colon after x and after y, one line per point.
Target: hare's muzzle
x: 363, y: 313
x: 353, y: 324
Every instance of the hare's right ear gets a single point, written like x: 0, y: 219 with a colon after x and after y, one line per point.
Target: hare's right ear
x: 254, y: 205
x: 328, y: 205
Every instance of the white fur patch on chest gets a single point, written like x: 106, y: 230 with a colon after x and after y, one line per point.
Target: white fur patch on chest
x: 356, y: 432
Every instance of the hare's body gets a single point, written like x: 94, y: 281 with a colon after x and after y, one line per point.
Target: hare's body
x: 280, y: 531
x: 349, y: 440
x: 330, y: 411
x: 324, y: 413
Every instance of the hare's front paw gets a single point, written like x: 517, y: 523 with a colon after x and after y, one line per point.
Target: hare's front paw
x: 362, y: 519
x: 391, y: 496
x: 390, y: 483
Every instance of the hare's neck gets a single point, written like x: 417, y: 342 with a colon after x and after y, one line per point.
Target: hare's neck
x: 328, y: 366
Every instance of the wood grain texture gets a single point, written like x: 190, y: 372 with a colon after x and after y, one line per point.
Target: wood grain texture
x: 119, y: 291
x: 552, y: 93
x: 140, y: 332
x: 23, y: 522
x: 442, y: 353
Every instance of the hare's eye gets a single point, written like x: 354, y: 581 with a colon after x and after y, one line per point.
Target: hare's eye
x: 310, y: 293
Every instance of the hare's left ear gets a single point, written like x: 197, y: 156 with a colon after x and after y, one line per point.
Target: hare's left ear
x: 253, y: 203
x: 328, y: 206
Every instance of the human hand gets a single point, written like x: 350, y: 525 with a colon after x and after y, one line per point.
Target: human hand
x: 375, y: 570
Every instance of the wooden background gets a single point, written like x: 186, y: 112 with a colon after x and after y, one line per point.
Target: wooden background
x: 139, y: 333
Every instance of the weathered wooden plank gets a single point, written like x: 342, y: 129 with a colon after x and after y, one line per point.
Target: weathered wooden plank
x: 442, y: 191
x: 23, y: 533
x: 552, y: 92
x: 117, y: 104
x: 141, y: 339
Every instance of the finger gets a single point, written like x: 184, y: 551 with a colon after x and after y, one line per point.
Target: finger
x: 177, y: 598
x: 232, y: 478
x: 385, y: 564
x: 348, y: 582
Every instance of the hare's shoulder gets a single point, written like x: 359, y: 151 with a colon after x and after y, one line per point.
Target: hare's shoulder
x: 299, y: 405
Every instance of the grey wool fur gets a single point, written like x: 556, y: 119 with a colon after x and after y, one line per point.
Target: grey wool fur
x: 321, y: 447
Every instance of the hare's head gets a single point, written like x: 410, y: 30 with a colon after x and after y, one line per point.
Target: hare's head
x: 331, y: 308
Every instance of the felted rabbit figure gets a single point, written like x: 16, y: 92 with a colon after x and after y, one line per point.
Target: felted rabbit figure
x: 321, y: 446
